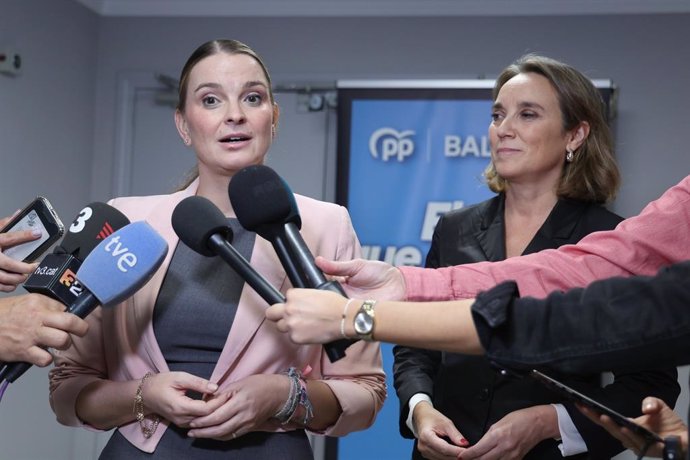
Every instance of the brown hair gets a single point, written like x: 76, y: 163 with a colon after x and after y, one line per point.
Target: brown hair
x: 207, y: 49
x: 593, y: 175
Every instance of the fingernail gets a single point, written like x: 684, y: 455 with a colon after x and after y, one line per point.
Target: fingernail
x: 464, y: 442
x: 36, y: 232
x: 212, y: 386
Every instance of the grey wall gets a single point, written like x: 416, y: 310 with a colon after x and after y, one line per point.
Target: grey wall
x: 645, y: 55
x: 46, y: 142
x: 57, y: 128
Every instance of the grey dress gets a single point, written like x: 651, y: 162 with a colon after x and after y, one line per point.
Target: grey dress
x: 192, y: 317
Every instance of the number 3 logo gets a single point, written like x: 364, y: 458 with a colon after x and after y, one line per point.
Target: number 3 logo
x: 80, y: 222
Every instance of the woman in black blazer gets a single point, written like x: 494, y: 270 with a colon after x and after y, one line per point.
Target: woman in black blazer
x: 552, y: 167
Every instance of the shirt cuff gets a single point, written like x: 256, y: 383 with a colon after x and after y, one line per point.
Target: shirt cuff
x: 414, y: 400
x: 571, y: 440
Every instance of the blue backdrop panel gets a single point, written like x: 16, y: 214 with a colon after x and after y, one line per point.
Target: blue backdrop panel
x: 405, y: 156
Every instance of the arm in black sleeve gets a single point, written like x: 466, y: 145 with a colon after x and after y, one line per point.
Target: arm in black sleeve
x: 414, y: 370
x: 619, y: 324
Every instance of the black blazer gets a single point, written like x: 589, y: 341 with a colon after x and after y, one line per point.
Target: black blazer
x: 466, y: 388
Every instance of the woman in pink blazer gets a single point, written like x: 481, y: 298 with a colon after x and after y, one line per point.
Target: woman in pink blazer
x: 189, y: 367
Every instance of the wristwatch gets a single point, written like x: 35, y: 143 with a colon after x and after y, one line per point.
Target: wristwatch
x: 364, y: 321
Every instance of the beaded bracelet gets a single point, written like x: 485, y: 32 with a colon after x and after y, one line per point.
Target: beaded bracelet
x: 146, y: 430
x: 305, y: 403
x: 288, y: 410
x: 298, y: 397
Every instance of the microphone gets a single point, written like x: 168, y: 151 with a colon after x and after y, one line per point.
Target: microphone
x: 203, y: 227
x: 264, y: 203
x: 114, y: 270
x: 55, y: 275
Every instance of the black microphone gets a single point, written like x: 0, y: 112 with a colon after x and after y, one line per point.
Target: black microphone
x: 203, y: 227
x: 55, y: 275
x: 264, y: 203
x: 113, y: 271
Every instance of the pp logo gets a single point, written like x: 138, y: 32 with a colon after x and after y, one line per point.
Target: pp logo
x: 392, y: 144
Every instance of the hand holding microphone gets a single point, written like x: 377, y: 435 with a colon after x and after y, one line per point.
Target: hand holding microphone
x: 264, y: 203
x: 114, y: 270
x: 55, y: 275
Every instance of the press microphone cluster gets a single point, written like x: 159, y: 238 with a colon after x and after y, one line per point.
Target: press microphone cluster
x: 55, y: 275
x: 265, y: 204
x: 113, y: 271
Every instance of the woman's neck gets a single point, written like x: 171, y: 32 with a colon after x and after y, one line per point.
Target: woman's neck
x: 216, y: 190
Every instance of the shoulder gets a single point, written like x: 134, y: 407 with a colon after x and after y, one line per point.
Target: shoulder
x: 310, y: 207
x: 139, y: 207
x: 473, y: 216
x: 599, y: 213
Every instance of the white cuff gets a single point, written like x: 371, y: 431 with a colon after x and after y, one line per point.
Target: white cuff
x: 571, y: 441
x: 414, y: 400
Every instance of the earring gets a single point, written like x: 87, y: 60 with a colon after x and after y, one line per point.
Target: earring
x: 187, y: 141
x: 273, y: 130
x: 570, y: 156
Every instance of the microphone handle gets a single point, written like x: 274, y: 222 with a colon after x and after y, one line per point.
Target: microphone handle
x: 305, y: 260
x: 229, y: 254
x: 335, y: 350
x: 295, y: 274
x: 82, y: 306
x: 315, y: 279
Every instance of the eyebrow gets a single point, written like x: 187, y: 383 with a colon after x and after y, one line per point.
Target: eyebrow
x: 249, y: 84
x: 521, y: 105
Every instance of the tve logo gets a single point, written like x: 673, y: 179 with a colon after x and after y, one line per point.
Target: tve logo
x: 126, y: 259
x: 388, y: 143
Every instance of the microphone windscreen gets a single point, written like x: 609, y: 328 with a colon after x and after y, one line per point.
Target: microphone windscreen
x: 195, y: 219
x: 94, y: 223
x: 260, y: 197
x: 122, y: 263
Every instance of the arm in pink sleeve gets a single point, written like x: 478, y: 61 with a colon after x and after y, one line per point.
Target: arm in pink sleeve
x: 640, y: 245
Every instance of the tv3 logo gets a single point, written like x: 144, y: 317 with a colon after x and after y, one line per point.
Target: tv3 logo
x: 82, y: 219
x: 69, y: 279
x: 388, y: 143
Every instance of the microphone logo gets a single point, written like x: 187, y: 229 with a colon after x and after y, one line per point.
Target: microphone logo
x: 126, y: 258
x: 105, y: 232
x: 68, y: 278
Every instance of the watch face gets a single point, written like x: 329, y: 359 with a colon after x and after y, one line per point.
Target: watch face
x: 363, y: 323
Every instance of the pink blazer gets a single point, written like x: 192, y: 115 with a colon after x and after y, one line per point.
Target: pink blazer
x: 121, y: 345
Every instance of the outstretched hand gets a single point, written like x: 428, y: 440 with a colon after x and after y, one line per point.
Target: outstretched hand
x: 365, y: 279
